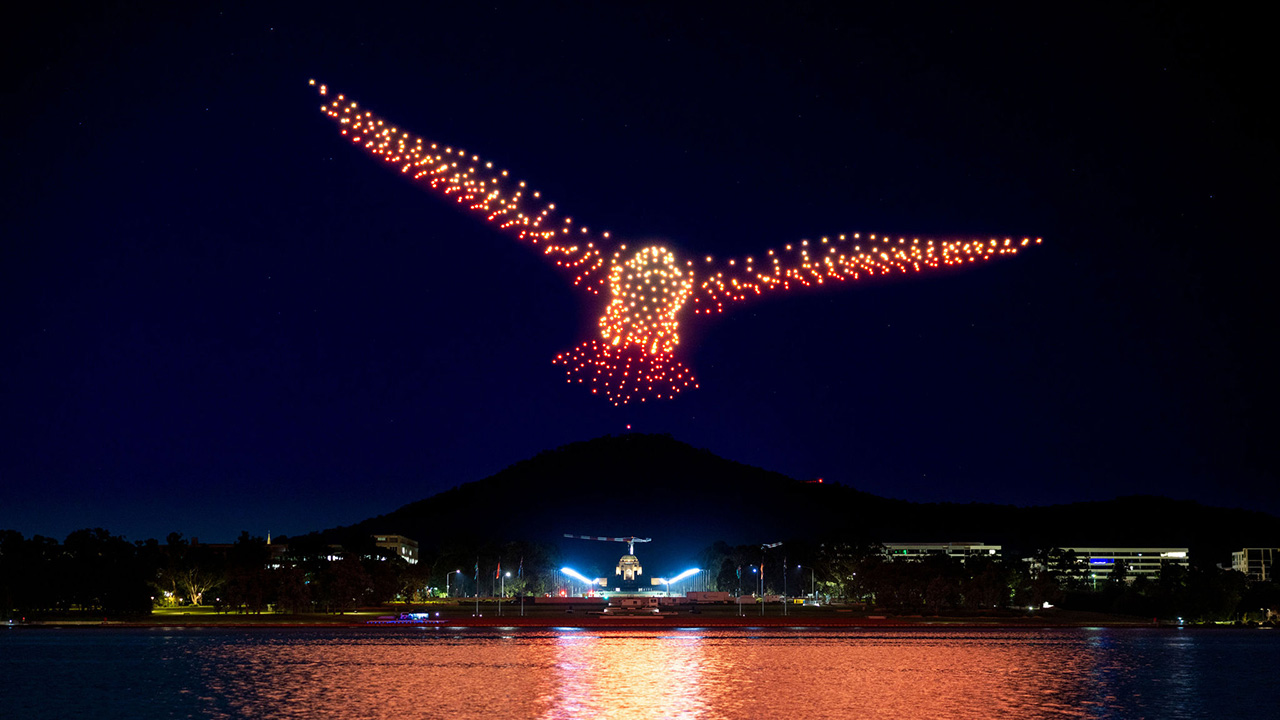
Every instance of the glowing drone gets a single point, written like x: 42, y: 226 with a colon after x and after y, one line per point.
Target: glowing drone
x: 648, y: 287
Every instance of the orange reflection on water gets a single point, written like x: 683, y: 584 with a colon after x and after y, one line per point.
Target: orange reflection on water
x: 740, y: 673
x: 430, y: 674
x: 627, y: 674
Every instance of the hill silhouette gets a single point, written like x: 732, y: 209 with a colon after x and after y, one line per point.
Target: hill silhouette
x: 686, y: 499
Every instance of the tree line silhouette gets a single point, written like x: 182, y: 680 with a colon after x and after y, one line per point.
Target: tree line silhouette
x: 93, y: 572
x: 861, y: 572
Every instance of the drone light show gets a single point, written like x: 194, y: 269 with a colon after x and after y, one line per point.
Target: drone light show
x: 648, y: 287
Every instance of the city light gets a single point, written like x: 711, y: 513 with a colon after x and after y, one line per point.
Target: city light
x: 577, y: 575
x: 648, y: 287
x: 685, y: 574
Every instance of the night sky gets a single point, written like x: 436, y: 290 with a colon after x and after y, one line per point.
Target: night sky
x: 216, y: 315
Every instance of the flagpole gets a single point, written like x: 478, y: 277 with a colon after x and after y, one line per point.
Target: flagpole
x: 784, y: 584
x: 739, y: 591
x: 477, y: 587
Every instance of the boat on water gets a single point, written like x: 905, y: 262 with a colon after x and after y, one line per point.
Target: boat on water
x: 423, y: 618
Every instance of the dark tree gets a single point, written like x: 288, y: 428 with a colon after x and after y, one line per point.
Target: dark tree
x: 293, y: 594
x: 344, y: 585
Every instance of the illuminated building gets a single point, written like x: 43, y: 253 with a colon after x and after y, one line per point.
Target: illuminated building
x: 401, y: 546
x: 1257, y: 563
x: 628, y: 565
x: 629, y: 568
x: 920, y: 551
x: 648, y: 287
x: 1138, y: 561
x: 628, y: 571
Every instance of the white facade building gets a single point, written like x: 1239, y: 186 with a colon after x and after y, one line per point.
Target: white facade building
x: 920, y: 551
x: 1138, y: 561
x: 400, y: 545
x: 1255, y: 562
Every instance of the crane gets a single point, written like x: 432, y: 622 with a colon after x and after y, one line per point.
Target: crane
x: 630, y: 540
x: 629, y: 565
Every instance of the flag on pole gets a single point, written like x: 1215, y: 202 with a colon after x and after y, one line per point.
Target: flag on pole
x: 520, y: 570
x: 498, y: 573
x: 477, y: 568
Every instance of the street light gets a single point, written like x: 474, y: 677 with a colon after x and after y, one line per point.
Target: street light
x: 763, y: 549
x: 812, y: 583
x: 502, y: 590
x: 762, y: 584
x: 759, y: 583
x: 446, y: 580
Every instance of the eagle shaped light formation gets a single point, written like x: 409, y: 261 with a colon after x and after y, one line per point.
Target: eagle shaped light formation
x: 648, y: 287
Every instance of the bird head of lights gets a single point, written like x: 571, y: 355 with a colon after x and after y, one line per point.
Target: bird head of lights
x: 646, y: 293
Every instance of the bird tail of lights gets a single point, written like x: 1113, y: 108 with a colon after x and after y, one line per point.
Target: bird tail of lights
x: 648, y: 288
x: 625, y: 373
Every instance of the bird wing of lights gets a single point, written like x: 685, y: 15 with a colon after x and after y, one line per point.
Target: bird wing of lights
x: 813, y: 263
x: 632, y: 357
x: 478, y: 186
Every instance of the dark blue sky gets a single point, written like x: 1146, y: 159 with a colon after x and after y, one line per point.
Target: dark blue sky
x: 216, y: 315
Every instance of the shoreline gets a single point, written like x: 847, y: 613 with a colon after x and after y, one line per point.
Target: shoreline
x: 621, y: 623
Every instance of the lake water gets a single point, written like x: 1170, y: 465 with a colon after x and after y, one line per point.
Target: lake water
x: 695, y: 673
